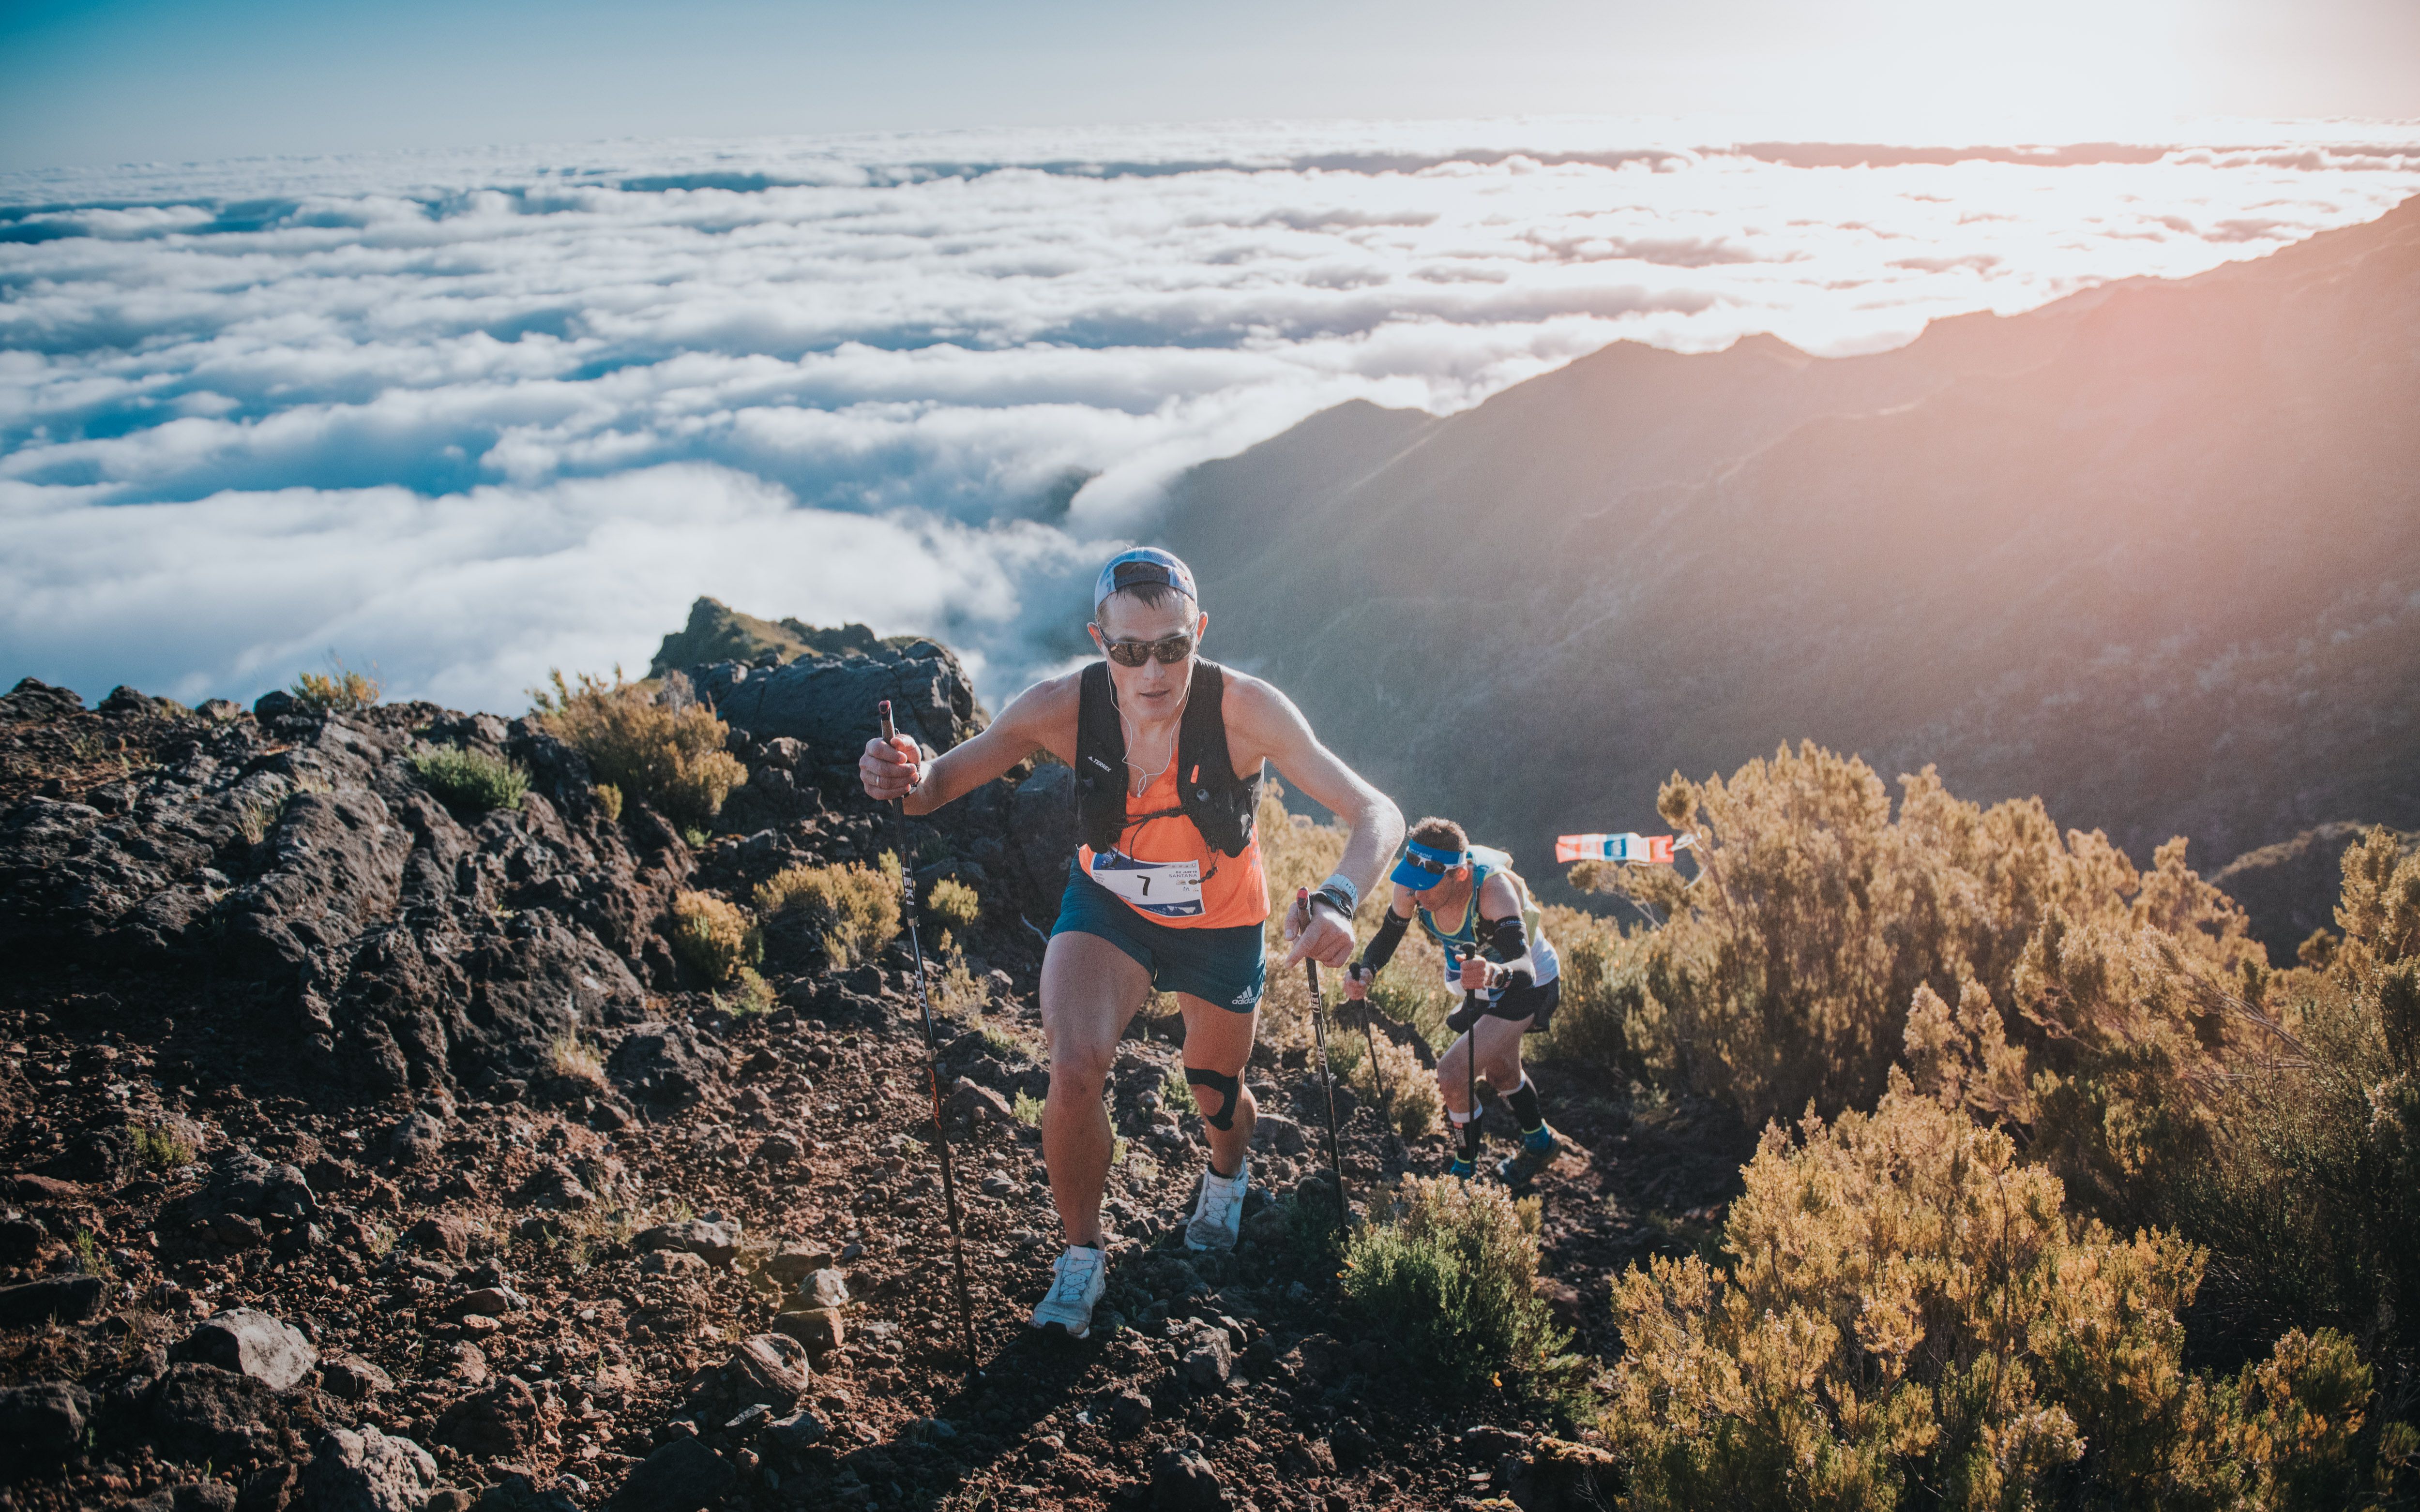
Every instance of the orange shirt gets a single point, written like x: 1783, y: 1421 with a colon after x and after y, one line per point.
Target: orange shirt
x: 1165, y: 872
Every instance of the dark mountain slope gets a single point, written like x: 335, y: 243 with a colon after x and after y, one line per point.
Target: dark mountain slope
x: 2151, y: 552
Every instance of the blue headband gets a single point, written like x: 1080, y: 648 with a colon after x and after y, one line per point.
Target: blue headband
x: 1423, y: 867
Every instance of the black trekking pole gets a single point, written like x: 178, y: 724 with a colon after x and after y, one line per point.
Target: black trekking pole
x: 1319, y: 1033
x: 1470, y: 1060
x: 933, y: 1070
x: 1377, y: 1069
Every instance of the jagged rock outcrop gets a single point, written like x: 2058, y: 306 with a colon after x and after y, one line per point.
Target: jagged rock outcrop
x: 409, y: 948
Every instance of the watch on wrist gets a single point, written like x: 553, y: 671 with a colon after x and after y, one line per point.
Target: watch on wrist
x: 1339, y: 898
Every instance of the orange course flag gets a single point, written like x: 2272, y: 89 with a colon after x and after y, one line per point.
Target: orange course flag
x: 1654, y: 850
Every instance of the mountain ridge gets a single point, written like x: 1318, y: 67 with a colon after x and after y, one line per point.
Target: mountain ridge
x: 2145, y: 552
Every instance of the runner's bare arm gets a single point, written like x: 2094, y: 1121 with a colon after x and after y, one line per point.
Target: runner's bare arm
x: 1499, y: 899
x: 1043, y: 718
x: 1272, y: 728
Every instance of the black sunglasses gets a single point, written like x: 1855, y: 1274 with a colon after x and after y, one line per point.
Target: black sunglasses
x: 1170, y: 651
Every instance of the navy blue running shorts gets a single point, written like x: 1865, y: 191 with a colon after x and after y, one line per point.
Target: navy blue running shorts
x: 1225, y: 966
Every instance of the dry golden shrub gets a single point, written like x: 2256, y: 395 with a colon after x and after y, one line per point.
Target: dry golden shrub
x: 649, y: 745
x: 854, y: 908
x: 1910, y: 1313
x: 336, y: 691
x: 716, y: 938
x: 1786, y: 967
x: 953, y: 903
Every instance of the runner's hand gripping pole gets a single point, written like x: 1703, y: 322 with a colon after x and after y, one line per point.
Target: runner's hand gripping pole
x: 1319, y: 1033
x: 933, y: 1077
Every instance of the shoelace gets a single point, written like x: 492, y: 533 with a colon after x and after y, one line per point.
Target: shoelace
x: 1074, y: 1277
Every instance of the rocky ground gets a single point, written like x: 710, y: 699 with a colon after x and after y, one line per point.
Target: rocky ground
x: 367, y: 1155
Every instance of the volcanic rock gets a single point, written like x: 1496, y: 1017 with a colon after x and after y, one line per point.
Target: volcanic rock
x: 199, y: 1412
x: 714, y: 1242
x: 41, y: 1424
x: 1183, y: 1481
x: 820, y: 1329
x: 353, y: 1378
x: 506, y: 1419
x: 250, y: 1343
x: 683, y: 1475
x: 665, y: 1064
x: 60, y: 1299
x: 368, y: 1472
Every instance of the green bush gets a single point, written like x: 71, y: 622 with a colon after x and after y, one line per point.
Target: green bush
x: 165, y: 1145
x: 854, y: 908
x: 471, y: 781
x: 659, y: 750
x: 1445, y: 1272
x: 953, y: 903
x: 1913, y: 1316
x: 716, y: 938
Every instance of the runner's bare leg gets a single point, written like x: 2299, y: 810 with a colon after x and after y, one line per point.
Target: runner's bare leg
x: 1090, y: 990
x: 1219, y: 1038
x: 1500, y: 1060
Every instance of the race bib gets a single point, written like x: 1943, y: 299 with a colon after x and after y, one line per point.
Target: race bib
x: 1171, y: 890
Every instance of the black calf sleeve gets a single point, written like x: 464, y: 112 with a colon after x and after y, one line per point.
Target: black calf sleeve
x: 1524, y: 1102
x: 1466, y: 1138
x: 1227, y: 1087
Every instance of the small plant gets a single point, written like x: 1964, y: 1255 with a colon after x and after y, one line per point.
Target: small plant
x: 1028, y: 1110
x: 89, y: 1257
x: 254, y: 816
x: 163, y: 1145
x: 336, y: 691
x: 856, y: 907
x: 666, y: 751
x: 575, y: 1059
x: 609, y: 798
x: 958, y: 994
x: 714, y: 937
x: 953, y: 903
x: 471, y: 781
x: 751, y: 994
x: 1447, y: 1270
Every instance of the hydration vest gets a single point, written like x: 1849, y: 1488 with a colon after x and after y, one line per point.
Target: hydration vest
x: 1219, y: 803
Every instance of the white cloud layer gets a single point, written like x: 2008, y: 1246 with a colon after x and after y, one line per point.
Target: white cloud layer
x: 472, y: 416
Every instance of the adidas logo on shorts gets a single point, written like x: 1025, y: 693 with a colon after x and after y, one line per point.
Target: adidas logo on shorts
x: 1246, y: 998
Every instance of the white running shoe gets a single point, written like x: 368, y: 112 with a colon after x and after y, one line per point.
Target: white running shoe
x: 1220, y: 1210
x: 1077, y: 1281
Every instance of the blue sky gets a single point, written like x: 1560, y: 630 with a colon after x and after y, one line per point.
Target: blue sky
x: 92, y: 84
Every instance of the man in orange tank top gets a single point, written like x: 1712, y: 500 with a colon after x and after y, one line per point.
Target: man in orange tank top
x: 1153, y: 902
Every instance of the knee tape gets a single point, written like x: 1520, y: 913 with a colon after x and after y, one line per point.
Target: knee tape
x: 1228, y: 1088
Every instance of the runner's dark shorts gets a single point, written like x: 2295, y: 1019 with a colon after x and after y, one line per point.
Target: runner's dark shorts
x: 1226, y: 967
x: 1536, y: 1004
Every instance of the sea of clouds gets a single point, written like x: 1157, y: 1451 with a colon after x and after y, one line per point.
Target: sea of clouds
x: 468, y: 417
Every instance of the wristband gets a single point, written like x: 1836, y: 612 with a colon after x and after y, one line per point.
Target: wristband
x: 1339, y: 890
x: 1336, y: 898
